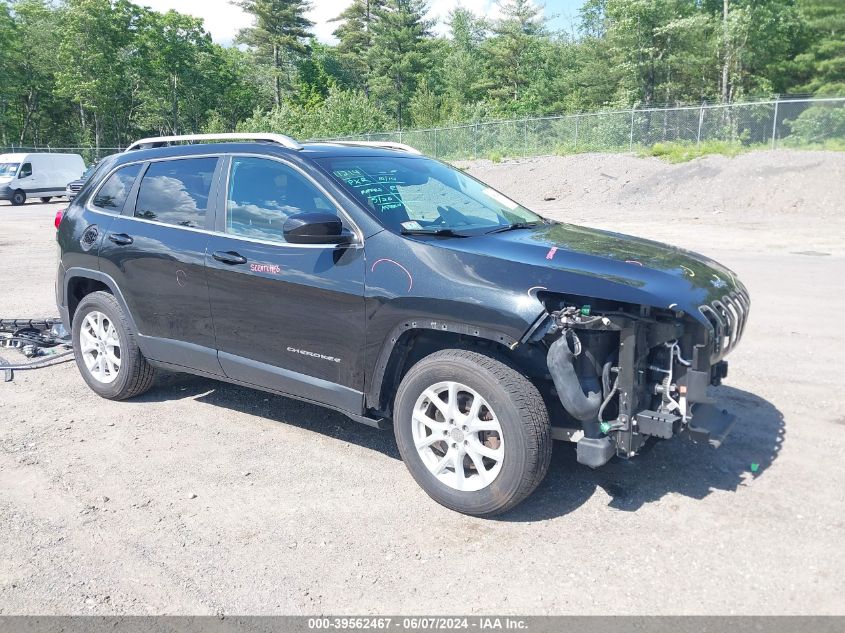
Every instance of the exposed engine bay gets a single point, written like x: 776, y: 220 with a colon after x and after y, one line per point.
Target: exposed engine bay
x: 625, y: 374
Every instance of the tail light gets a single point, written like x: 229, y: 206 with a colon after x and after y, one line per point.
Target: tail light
x: 59, y: 215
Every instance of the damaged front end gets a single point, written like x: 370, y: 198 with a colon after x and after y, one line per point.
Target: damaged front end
x: 624, y: 374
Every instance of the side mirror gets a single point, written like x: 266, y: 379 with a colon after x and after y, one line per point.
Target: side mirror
x: 315, y: 227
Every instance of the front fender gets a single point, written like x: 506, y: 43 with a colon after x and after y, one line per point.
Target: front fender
x: 389, y: 351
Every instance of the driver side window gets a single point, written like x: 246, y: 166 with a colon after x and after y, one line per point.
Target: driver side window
x: 264, y: 193
x: 26, y: 171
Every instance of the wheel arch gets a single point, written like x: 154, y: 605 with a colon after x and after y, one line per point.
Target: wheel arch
x: 412, y: 340
x: 80, y: 282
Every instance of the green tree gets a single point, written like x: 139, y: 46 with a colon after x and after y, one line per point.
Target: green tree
x: 594, y: 70
x: 92, y: 69
x: 317, y: 74
x: 755, y: 39
x: 101, y: 72
x: 552, y: 88
x: 235, y: 93
x: 29, y: 67
x: 8, y: 52
x: 346, y: 112
x: 280, y: 34
x: 425, y: 107
x: 355, y: 38
x: 399, y: 54
x: 655, y: 51
x: 174, y: 50
x: 512, y: 59
x: 463, y: 67
x: 342, y: 113
x: 820, y: 67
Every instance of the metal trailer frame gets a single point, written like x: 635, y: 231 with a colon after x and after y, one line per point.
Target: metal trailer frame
x: 44, y: 340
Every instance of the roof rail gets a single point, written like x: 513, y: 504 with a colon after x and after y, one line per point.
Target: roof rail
x: 156, y: 141
x: 383, y: 144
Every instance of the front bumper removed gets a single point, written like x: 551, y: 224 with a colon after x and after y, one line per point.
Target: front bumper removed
x: 663, y: 368
x: 709, y: 425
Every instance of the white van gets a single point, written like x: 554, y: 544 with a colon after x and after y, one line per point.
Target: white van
x: 42, y: 176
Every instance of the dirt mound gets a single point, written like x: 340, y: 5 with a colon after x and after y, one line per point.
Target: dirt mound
x: 793, y: 182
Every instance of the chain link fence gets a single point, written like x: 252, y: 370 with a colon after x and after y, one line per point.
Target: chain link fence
x: 793, y: 123
x: 779, y: 123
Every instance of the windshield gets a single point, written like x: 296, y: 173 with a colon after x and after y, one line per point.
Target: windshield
x: 412, y: 194
x: 8, y: 169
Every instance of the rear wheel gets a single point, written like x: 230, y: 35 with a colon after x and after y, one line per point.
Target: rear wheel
x: 473, y: 432
x: 106, y: 352
x: 46, y: 199
x: 18, y: 198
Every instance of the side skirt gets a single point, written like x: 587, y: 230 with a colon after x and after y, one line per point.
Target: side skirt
x: 378, y: 423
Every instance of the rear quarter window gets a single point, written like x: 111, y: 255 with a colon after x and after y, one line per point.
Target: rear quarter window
x: 176, y: 192
x: 112, y: 195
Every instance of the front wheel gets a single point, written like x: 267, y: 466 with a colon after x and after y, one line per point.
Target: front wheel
x: 18, y: 198
x: 473, y: 432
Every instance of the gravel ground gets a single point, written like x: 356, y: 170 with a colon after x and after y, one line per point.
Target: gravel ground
x: 205, y: 498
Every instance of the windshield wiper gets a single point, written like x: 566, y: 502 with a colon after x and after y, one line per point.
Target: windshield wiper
x: 437, y: 232
x: 515, y: 226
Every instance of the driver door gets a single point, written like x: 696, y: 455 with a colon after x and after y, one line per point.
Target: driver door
x: 287, y: 317
x: 28, y: 180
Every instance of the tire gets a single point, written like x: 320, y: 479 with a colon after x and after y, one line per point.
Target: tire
x: 46, y: 199
x: 516, y: 457
x: 18, y: 198
x: 134, y: 375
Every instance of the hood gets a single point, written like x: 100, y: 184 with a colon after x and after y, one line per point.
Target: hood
x: 577, y: 260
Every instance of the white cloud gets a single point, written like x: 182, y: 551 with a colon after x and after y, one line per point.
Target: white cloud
x: 321, y: 13
x: 223, y: 20
x: 439, y: 10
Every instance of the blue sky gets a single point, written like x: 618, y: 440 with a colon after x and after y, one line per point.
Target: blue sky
x: 566, y: 10
x: 224, y: 20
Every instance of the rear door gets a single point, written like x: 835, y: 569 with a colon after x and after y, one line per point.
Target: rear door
x: 287, y: 317
x: 155, y: 252
x: 80, y: 240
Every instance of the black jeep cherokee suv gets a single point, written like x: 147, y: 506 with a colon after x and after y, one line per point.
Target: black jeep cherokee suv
x: 394, y: 288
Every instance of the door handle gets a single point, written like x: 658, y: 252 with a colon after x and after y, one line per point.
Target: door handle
x: 229, y: 257
x: 121, y: 239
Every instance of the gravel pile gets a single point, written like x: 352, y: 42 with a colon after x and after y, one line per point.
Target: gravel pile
x: 779, y: 181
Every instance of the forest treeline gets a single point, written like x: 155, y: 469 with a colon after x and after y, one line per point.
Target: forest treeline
x: 104, y: 72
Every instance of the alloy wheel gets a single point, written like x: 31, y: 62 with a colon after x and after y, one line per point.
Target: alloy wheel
x: 458, y: 436
x: 100, y: 347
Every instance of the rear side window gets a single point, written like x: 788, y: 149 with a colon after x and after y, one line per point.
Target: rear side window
x: 264, y: 193
x: 112, y: 195
x: 176, y: 192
